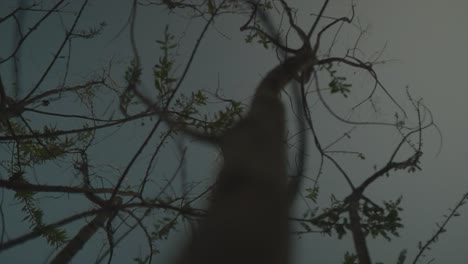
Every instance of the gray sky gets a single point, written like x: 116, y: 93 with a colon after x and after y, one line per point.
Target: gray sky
x: 426, y: 48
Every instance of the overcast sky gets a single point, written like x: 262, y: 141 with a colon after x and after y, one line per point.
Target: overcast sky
x: 426, y: 46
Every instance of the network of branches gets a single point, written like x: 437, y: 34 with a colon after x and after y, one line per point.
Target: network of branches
x: 101, y: 141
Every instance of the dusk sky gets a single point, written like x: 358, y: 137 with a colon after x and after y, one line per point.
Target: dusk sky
x: 425, y: 48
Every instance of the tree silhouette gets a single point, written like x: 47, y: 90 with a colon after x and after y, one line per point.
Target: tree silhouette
x: 96, y: 142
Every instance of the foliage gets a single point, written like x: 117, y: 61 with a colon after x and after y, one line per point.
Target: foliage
x: 337, y: 84
x: 376, y: 221
x: 350, y: 258
x: 34, y: 215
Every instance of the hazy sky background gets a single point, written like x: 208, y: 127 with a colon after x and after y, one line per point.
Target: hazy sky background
x: 427, y: 47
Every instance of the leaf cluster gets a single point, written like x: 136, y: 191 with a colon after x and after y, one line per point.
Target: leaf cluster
x: 337, y: 84
x: 34, y: 215
x: 375, y: 220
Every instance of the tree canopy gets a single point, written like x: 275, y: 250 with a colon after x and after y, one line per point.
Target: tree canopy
x: 96, y: 161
